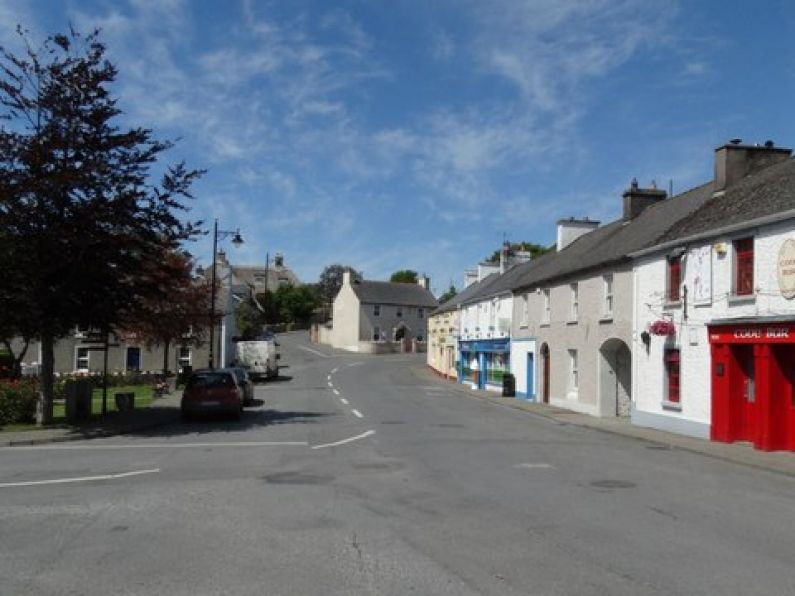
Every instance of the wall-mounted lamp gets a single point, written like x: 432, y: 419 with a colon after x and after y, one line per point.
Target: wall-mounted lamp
x: 645, y: 337
x: 721, y: 248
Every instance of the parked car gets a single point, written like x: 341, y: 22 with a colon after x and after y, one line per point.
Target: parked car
x: 212, y: 391
x: 245, y: 383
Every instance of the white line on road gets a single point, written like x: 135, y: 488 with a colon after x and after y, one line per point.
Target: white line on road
x: 328, y: 377
x: 334, y: 370
x: 79, y: 479
x: 357, y: 413
x: 535, y: 466
x: 330, y: 384
x: 343, y: 441
x: 314, y: 351
x: 343, y: 400
x: 336, y: 392
x: 354, y: 364
x: 82, y: 446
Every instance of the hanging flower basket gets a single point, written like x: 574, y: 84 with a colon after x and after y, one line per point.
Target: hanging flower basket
x: 662, y: 327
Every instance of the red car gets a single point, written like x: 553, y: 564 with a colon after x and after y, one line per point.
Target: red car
x: 212, y: 391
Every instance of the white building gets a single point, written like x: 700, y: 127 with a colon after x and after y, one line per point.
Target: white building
x: 714, y: 321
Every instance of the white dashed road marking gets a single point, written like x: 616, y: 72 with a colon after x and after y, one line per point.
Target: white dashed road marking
x: 336, y: 392
x: 357, y: 413
x: 343, y: 400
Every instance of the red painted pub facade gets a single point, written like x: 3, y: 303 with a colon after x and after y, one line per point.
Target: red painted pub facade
x: 753, y: 382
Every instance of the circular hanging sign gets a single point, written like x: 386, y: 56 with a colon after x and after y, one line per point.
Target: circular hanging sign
x: 786, y: 269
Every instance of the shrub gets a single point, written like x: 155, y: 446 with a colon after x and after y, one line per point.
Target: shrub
x: 18, y: 400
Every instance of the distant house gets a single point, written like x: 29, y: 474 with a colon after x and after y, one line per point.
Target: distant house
x: 377, y: 316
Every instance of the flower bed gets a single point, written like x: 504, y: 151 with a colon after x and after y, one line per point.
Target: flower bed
x: 18, y: 400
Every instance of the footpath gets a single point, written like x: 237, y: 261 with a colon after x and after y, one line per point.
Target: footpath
x: 164, y: 410
x: 780, y: 462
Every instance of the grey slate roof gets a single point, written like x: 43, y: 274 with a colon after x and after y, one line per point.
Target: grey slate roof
x: 467, y: 293
x: 384, y: 292
x: 607, y: 245
x: 767, y: 192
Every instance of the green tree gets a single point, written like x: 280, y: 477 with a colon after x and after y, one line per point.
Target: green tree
x: 404, y: 276
x: 81, y: 221
x: 249, y: 319
x: 296, y: 304
x: 450, y: 293
x: 331, y: 281
x: 535, y: 250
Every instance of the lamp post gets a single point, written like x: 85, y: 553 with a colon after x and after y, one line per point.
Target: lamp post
x: 237, y: 240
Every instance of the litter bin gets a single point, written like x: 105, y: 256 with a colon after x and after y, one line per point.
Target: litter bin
x: 184, y: 373
x: 508, y: 385
x: 78, y: 400
x: 125, y: 401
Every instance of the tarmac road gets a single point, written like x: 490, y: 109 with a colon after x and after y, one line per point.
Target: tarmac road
x: 357, y: 475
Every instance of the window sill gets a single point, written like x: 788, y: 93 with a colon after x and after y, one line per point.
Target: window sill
x: 741, y: 298
x: 670, y: 304
x: 572, y: 322
x: 671, y: 406
x: 544, y: 324
x: 606, y: 319
x: 523, y: 325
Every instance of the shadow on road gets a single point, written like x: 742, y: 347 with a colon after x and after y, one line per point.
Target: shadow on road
x: 216, y: 423
x: 277, y: 379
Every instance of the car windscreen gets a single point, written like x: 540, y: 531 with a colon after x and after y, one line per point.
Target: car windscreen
x: 210, y: 380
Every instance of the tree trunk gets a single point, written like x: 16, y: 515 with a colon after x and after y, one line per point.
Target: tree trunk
x: 16, y: 371
x: 165, y: 356
x: 44, y: 409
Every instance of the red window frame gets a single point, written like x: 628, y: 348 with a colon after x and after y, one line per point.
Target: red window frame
x: 672, y: 358
x: 674, y: 278
x: 744, y: 266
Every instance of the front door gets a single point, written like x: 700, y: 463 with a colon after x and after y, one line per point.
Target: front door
x: 530, y: 376
x: 545, y: 364
x: 134, y: 359
x: 743, y: 392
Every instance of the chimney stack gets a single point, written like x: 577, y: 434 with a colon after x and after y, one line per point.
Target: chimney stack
x: 571, y: 229
x: 504, y: 256
x: 636, y: 199
x: 734, y: 161
x: 346, y: 278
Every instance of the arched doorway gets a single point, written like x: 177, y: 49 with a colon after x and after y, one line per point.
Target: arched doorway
x: 615, y: 378
x: 402, y: 332
x: 545, y: 373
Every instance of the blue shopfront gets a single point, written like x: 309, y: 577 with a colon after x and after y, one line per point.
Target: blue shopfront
x: 483, y: 363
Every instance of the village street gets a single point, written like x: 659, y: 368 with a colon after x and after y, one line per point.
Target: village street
x: 364, y: 475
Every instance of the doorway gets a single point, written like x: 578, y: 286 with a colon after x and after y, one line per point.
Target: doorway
x: 615, y: 378
x: 545, y: 373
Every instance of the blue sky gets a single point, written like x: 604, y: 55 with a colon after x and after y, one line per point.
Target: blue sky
x: 417, y: 134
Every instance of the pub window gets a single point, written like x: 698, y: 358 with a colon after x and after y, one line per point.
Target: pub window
x: 377, y: 310
x: 672, y: 375
x: 674, y: 277
x: 744, y: 266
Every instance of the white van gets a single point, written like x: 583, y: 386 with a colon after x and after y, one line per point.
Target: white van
x: 260, y: 357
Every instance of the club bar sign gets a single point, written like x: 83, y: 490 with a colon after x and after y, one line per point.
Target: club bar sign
x: 780, y: 333
x: 786, y: 269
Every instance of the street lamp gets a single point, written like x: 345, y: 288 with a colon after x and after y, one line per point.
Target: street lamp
x: 237, y: 240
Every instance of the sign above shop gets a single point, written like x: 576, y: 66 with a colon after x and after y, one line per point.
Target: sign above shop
x: 773, y: 333
x: 786, y: 269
